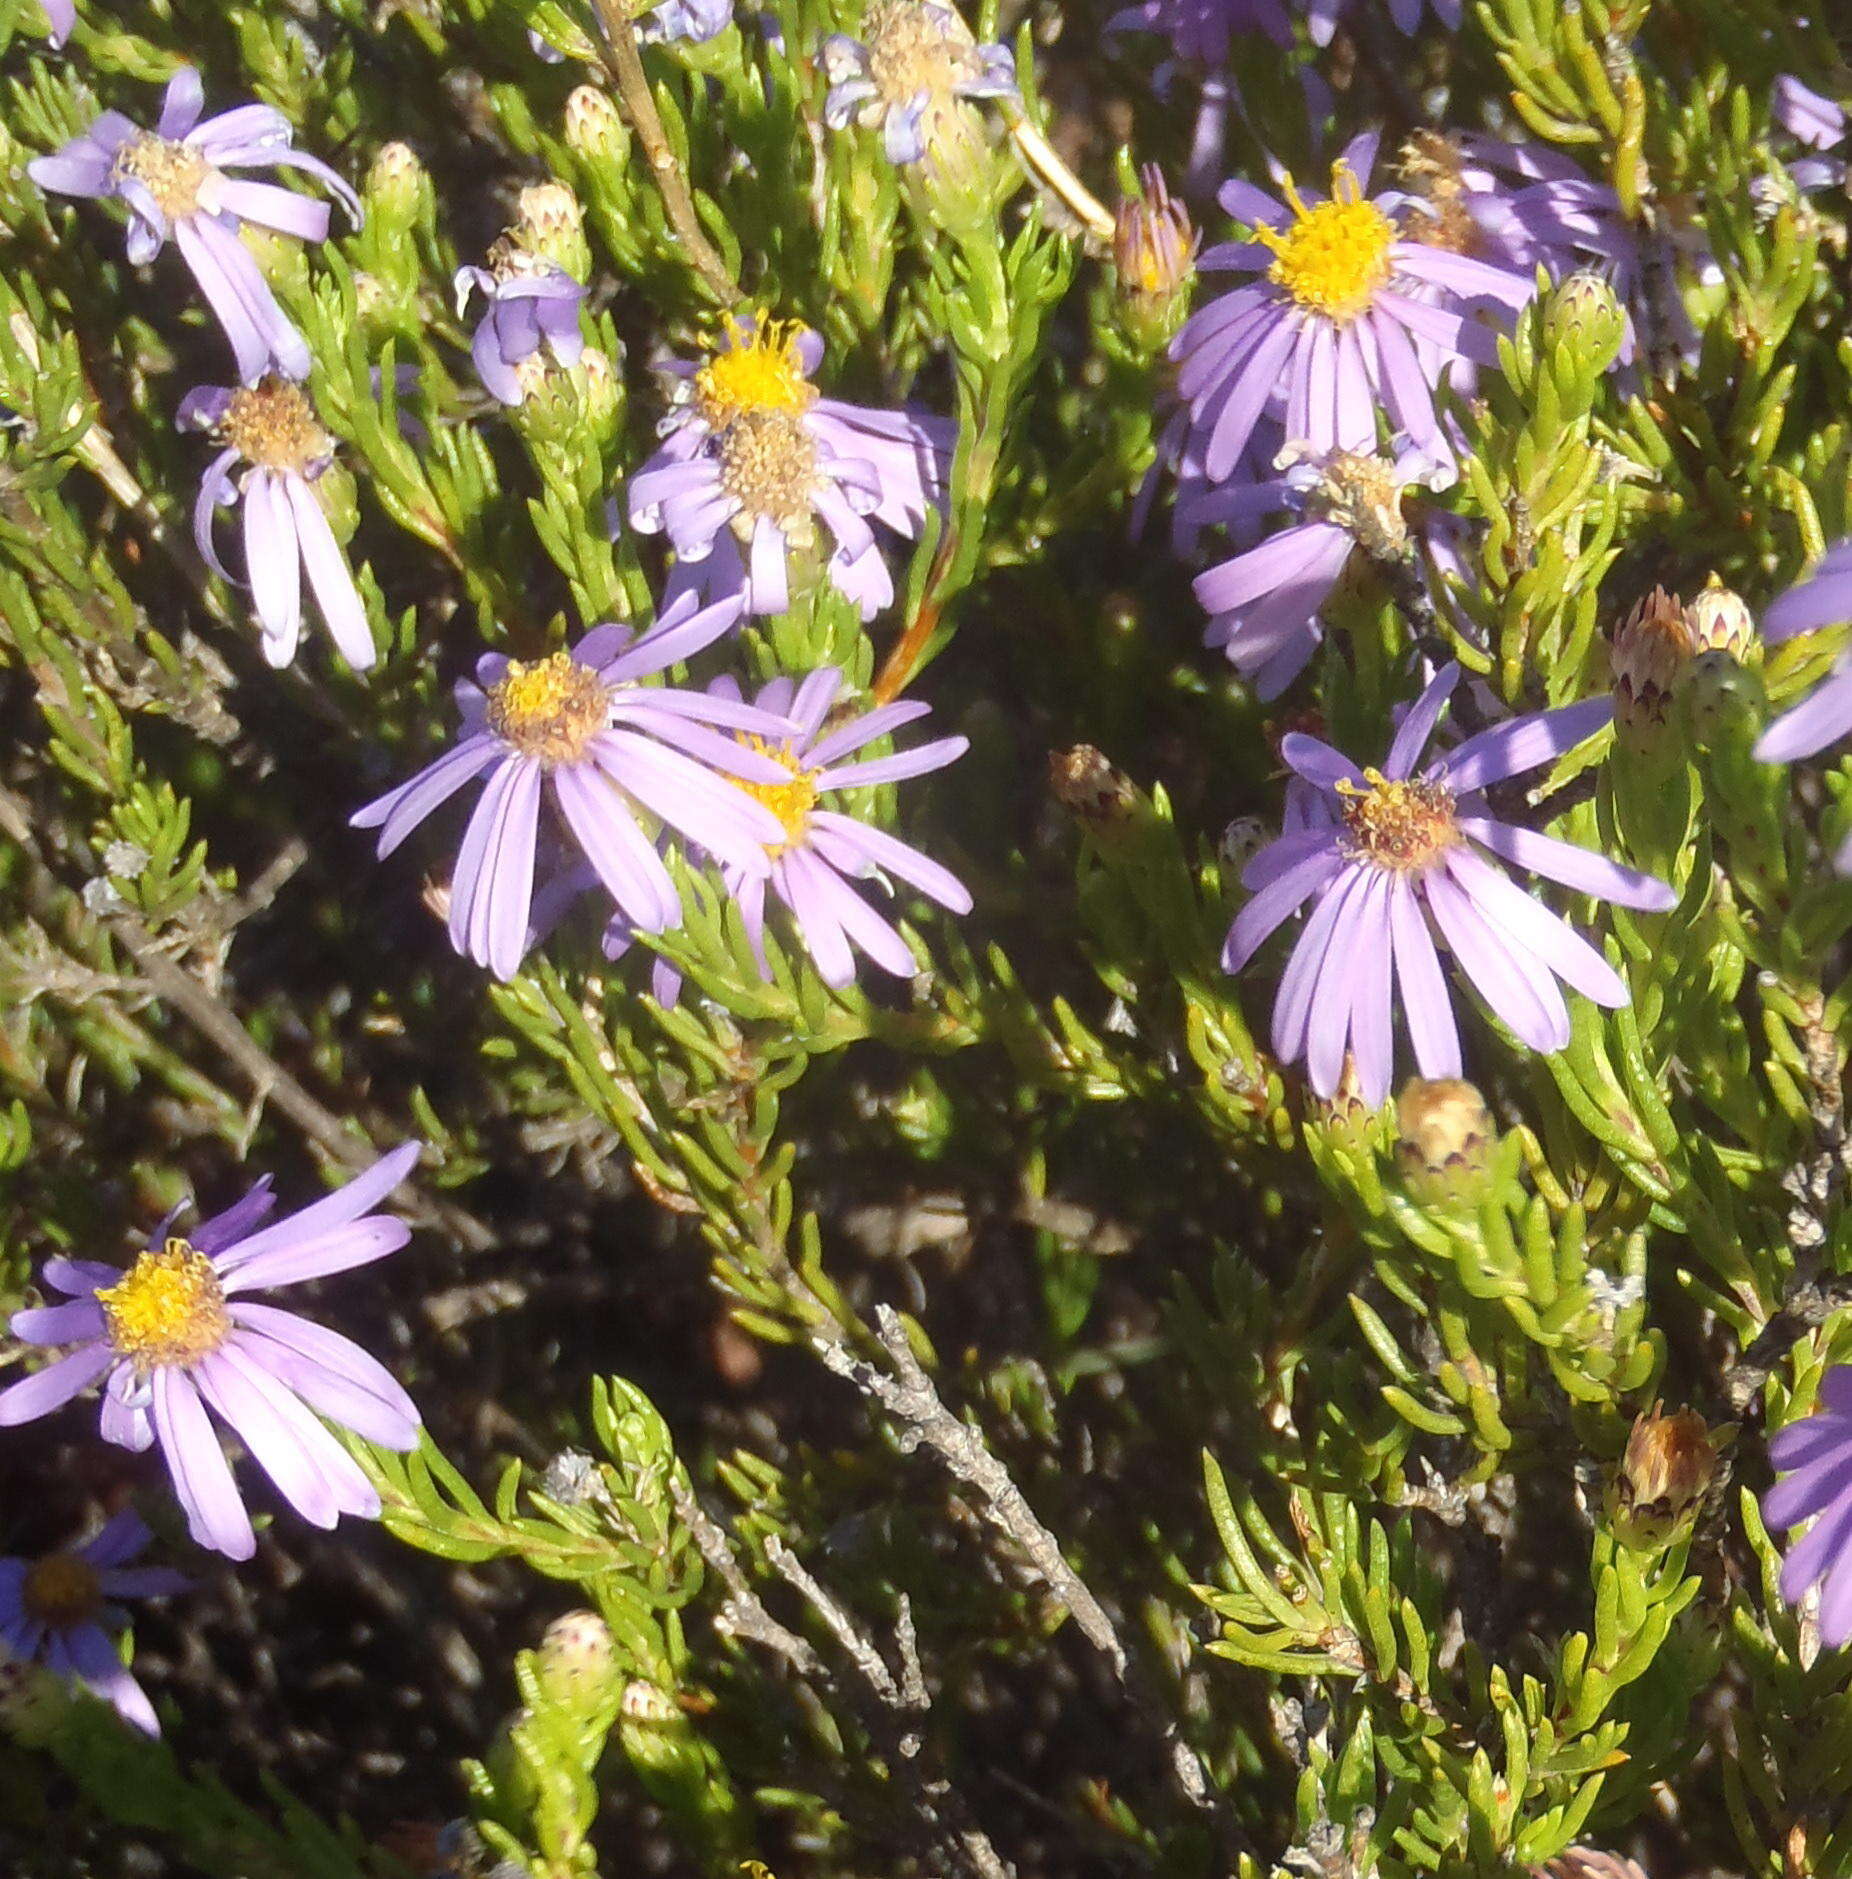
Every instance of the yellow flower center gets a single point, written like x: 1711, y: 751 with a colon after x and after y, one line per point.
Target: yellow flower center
x: 1403, y: 826
x: 1335, y: 257
x: 173, y: 173
x: 791, y: 801
x: 550, y: 708
x: 1360, y: 493
x: 769, y: 461
x: 167, y: 1309
x: 761, y: 372
x: 61, y: 1590
x: 273, y: 424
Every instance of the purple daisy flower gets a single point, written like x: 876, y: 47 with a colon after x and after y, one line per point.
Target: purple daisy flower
x: 1350, y: 318
x: 1322, y: 16
x: 272, y: 427
x: 821, y: 854
x: 173, y: 181
x: 60, y: 1611
x: 1389, y: 858
x: 172, y: 1339
x: 912, y: 75
x: 1825, y: 715
x: 580, y: 727
x: 1814, y: 1456
x: 1201, y: 31
x: 532, y: 303
x: 1816, y: 122
x: 752, y: 459
x: 696, y: 21
x: 1264, y: 602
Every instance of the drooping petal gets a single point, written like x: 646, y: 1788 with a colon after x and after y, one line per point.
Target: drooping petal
x: 201, y: 1475
x: 54, y: 1386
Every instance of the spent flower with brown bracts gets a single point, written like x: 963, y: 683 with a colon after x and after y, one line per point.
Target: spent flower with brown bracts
x: 1389, y: 858
x: 175, y: 180
x: 271, y: 428
x: 609, y: 752
x: 753, y: 458
x: 62, y: 1610
x: 172, y: 1338
x: 1351, y: 320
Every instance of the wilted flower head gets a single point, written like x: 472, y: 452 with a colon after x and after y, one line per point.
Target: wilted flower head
x: 579, y: 728
x: 174, y: 181
x: 1350, y: 319
x: 1264, y: 602
x: 172, y: 1339
x: 752, y: 459
x: 271, y: 428
x: 1825, y: 715
x: 820, y: 856
x: 532, y: 302
x: 911, y: 76
x: 1814, y: 1455
x: 1391, y: 857
x: 60, y: 1611
x: 1154, y: 246
x: 1648, y: 654
x: 1667, y: 1469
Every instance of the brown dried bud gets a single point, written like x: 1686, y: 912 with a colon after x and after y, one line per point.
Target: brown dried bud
x: 1093, y: 788
x: 1667, y: 1469
x: 1648, y: 654
x: 1720, y: 622
x: 1586, y: 1862
x: 1444, y: 1137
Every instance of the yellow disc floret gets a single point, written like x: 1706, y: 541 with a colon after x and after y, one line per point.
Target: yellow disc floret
x: 273, y: 425
x: 61, y: 1590
x: 549, y: 708
x: 761, y: 371
x: 173, y: 173
x: 792, y: 801
x: 168, y: 1308
x: 1405, y: 826
x: 1335, y: 256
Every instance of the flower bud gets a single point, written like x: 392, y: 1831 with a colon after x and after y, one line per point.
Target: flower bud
x: 1667, y: 1469
x: 1720, y: 622
x: 593, y: 127
x: 1647, y: 659
x: 1154, y: 254
x: 1096, y: 791
x: 1350, y: 1123
x: 577, y: 1659
x: 1584, y: 318
x: 601, y: 390
x: 550, y: 223
x: 398, y: 186
x: 1444, y: 1139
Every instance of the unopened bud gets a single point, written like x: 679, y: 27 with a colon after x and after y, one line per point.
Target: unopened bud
x: 1647, y: 658
x: 398, y: 185
x: 1154, y: 254
x: 1095, y: 790
x: 1720, y: 622
x: 1444, y: 1138
x: 550, y: 223
x: 602, y: 393
x: 1584, y: 317
x: 593, y: 127
x: 1349, y: 1121
x: 576, y: 1655
x: 1666, y: 1471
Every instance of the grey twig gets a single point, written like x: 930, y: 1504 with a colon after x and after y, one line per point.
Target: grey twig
x: 909, y: 1396
x: 868, y: 1662
x: 743, y: 1615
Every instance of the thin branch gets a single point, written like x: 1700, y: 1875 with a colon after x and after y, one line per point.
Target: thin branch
x: 624, y: 60
x: 743, y: 1615
x: 1044, y: 162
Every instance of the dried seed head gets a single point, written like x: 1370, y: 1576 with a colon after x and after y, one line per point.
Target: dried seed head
x: 1094, y: 789
x: 1668, y: 1468
x: 1648, y: 654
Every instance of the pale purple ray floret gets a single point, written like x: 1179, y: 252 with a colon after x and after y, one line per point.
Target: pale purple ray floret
x: 752, y: 460
x: 1814, y: 1457
x: 271, y: 429
x: 1264, y: 602
x: 1347, y: 320
x: 532, y: 302
x: 1389, y: 859
x: 1824, y: 716
x: 823, y: 856
x: 60, y: 21
x: 579, y: 729
x: 174, y: 1337
x: 1322, y: 16
x: 62, y: 1610
x: 915, y: 68
x: 174, y: 181
x: 1816, y: 122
